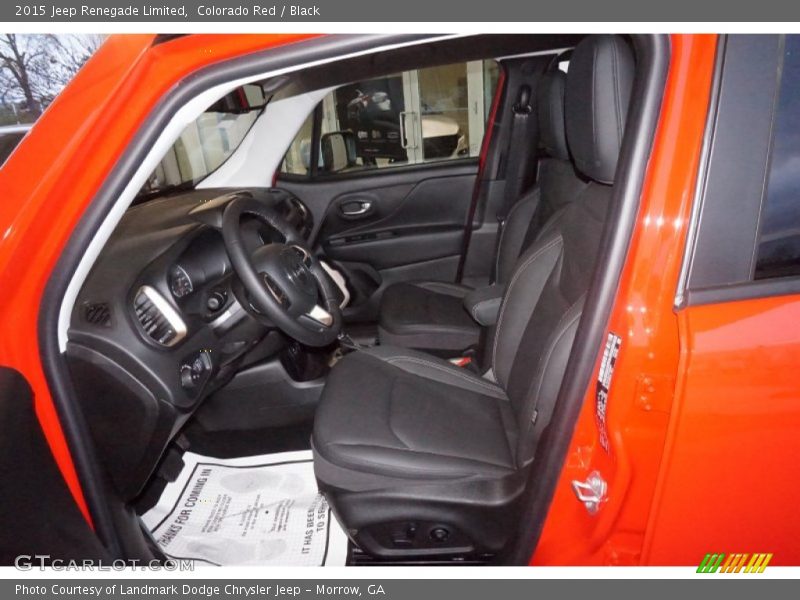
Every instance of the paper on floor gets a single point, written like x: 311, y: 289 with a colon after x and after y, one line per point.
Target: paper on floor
x: 260, y: 510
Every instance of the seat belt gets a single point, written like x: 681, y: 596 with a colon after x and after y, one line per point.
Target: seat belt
x: 517, y: 154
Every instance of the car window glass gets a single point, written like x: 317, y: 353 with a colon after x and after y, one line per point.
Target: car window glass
x: 413, y: 117
x: 207, y: 142
x: 779, y: 239
x: 297, y: 159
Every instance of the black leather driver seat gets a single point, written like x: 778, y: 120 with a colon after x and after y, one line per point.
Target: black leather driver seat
x: 439, y: 316
x: 418, y: 457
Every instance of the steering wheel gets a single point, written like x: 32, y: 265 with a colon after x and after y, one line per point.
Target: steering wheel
x: 286, y: 284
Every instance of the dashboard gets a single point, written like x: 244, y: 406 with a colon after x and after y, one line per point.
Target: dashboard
x: 160, y: 324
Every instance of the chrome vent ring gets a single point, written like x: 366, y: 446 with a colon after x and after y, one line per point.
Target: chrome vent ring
x: 158, y: 319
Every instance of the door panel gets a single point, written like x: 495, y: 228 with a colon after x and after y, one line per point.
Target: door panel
x: 396, y: 247
x: 40, y: 515
x: 387, y: 166
x: 383, y: 202
x: 729, y: 485
x: 411, y: 227
x: 426, y: 212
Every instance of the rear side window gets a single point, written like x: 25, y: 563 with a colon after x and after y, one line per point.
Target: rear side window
x: 747, y: 238
x: 778, y: 253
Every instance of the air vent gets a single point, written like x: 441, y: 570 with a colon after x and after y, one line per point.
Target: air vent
x: 160, y: 322
x: 299, y: 207
x: 97, y: 313
x: 297, y: 214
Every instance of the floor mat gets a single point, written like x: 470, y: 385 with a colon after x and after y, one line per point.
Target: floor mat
x: 259, y: 510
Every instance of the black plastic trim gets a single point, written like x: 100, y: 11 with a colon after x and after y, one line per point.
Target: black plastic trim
x: 493, y: 128
x: 444, y: 163
x: 316, y: 135
x: 292, y: 178
x: 163, y: 38
x: 749, y: 290
x: 653, y: 57
x: 702, y: 174
x: 40, y: 516
x: 90, y: 474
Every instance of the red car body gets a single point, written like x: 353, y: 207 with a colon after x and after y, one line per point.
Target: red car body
x: 695, y: 465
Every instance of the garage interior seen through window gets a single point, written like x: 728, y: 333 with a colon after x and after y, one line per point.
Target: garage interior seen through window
x: 413, y: 117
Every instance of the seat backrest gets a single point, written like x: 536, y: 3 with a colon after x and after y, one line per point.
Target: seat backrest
x: 544, y: 298
x: 557, y: 183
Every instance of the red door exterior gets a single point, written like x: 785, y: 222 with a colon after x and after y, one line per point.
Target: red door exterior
x: 729, y: 475
x: 702, y: 417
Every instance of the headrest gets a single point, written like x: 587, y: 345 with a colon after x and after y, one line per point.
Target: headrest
x: 598, y: 93
x: 550, y: 103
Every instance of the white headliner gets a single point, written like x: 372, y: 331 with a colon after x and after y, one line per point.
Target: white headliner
x: 253, y: 162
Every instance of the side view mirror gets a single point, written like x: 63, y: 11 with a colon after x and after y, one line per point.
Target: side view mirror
x: 338, y: 151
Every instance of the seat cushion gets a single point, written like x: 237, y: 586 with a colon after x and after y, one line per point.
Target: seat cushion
x: 402, y: 414
x: 407, y: 446
x: 427, y: 316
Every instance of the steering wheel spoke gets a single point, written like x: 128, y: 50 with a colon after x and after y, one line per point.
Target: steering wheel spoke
x: 304, y: 254
x: 320, y: 315
x: 275, y: 289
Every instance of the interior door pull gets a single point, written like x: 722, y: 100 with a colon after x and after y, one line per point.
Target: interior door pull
x: 354, y: 209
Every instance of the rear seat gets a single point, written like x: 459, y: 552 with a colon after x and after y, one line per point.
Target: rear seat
x: 448, y: 317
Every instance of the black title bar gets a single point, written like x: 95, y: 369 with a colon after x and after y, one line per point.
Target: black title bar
x: 443, y: 11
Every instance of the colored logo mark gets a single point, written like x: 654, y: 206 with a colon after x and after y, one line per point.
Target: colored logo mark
x: 734, y: 563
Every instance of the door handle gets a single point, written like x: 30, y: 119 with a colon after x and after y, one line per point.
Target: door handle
x: 355, y: 208
x: 408, y: 141
x: 403, y: 138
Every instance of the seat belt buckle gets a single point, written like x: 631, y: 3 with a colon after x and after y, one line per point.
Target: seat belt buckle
x: 461, y: 361
x: 466, y: 361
